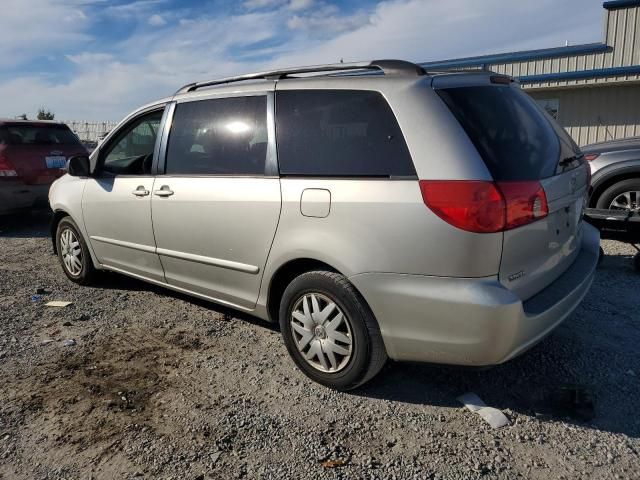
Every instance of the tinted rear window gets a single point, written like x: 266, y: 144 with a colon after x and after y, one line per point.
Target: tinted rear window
x: 37, y: 135
x: 513, y: 136
x: 224, y: 136
x: 339, y: 133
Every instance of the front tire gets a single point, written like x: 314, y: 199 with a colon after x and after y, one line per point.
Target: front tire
x: 73, y: 253
x: 330, y: 332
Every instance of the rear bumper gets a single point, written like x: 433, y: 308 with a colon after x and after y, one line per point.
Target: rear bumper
x: 472, y: 321
x: 16, y: 196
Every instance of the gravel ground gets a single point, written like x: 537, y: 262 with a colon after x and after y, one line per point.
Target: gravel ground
x: 159, y: 385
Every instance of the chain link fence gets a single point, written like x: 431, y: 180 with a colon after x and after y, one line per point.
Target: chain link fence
x: 90, y: 133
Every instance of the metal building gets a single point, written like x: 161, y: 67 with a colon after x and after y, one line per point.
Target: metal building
x: 592, y: 89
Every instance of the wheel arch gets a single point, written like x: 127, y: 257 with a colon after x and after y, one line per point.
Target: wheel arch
x: 283, y: 277
x: 611, y: 179
x: 58, y: 215
x: 289, y: 270
x: 53, y: 227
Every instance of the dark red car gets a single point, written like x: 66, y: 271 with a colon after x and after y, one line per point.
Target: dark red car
x: 32, y: 155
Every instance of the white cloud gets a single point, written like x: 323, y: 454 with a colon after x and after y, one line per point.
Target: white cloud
x: 27, y: 30
x: 422, y: 30
x: 298, y: 5
x: 134, y: 9
x: 260, y: 4
x: 156, y: 20
x: 90, y: 58
x: 327, y: 21
x: 106, y: 82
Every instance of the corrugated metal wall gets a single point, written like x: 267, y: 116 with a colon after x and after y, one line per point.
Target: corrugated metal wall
x: 597, y: 114
x: 622, y: 27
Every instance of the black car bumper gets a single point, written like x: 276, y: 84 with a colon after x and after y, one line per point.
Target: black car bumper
x: 16, y: 196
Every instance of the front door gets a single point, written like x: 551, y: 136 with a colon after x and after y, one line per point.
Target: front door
x: 216, y: 208
x: 116, y: 203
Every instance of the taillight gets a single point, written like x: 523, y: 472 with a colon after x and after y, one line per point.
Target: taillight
x: 6, y: 167
x: 485, y: 207
x: 526, y: 202
x: 475, y: 206
x: 590, y: 157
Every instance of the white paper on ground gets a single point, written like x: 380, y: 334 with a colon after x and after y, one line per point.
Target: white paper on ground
x: 58, y: 303
x: 492, y: 416
x: 472, y: 401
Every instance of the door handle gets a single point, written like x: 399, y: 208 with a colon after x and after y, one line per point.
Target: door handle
x: 164, y: 191
x: 140, y: 191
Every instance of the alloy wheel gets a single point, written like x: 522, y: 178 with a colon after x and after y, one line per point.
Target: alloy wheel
x: 629, y: 201
x: 71, y: 252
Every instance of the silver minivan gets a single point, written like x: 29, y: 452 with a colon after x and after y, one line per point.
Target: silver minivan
x: 374, y: 210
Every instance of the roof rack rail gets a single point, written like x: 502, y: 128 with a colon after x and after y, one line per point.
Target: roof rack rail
x: 458, y: 68
x: 388, y: 67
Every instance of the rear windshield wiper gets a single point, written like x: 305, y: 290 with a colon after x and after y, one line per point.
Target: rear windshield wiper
x: 569, y: 160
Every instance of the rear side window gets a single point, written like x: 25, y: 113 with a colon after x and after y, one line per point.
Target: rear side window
x: 339, y: 133
x: 37, y: 135
x: 225, y: 136
x: 513, y: 136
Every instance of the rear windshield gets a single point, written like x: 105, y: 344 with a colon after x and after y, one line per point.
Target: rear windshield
x: 37, y: 135
x: 511, y: 133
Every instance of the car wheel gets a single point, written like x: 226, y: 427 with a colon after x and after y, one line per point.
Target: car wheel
x: 624, y: 195
x: 330, y: 332
x: 73, y: 253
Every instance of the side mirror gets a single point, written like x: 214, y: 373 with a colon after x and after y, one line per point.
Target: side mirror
x: 79, y: 166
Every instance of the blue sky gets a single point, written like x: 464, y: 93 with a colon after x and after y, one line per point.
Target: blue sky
x: 99, y: 59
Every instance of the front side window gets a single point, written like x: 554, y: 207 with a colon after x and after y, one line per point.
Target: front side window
x: 339, y: 133
x: 131, y: 153
x: 223, y: 136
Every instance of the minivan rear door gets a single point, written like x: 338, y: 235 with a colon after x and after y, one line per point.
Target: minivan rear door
x: 519, y: 142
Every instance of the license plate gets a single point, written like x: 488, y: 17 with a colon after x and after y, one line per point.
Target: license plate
x: 57, y: 161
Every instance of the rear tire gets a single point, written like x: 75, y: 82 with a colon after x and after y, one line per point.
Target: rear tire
x: 334, y: 339
x: 73, y: 253
x: 617, y: 190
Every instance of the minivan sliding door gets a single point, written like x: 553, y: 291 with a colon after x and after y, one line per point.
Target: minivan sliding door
x: 216, y: 207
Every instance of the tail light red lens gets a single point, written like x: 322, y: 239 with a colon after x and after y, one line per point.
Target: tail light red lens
x: 6, y: 167
x: 590, y: 157
x: 485, y: 207
x: 526, y: 202
x: 475, y: 206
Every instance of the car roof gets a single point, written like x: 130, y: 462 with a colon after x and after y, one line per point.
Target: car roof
x: 379, y: 75
x: 358, y: 75
x: 19, y: 121
x: 631, y: 143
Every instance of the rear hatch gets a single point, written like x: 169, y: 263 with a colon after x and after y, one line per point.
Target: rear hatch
x: 524, y: 149
x: 38, y: 152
